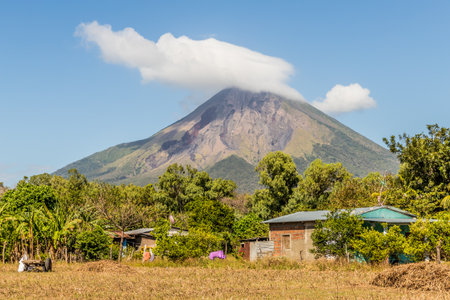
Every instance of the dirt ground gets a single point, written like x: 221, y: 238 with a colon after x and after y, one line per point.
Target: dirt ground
x: 107, y: 280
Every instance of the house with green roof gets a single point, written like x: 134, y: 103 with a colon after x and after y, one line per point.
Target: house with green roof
x: 291, y: 234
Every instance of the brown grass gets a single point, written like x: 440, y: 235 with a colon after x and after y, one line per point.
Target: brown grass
x: 269, y: 279
x: 104, y: 266
x: 421, y: 276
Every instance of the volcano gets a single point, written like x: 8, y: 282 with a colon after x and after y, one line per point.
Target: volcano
x: 230, y: 133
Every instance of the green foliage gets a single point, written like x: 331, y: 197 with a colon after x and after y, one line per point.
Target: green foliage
x: 321, y: 187
x: 353, y: 192
x: 319, y: 179
x: 139, y: 195
x: 395, y: 243
x: 375, y: 246
x: 277, y: 172
x: 424, y: 238
x: 210, y: 216
x: 370, y: 245
x: 180, y: 247
x: 59, y: 227
x: 76, y: 185
x: 51, y: 214
x: 250, y: 226
x: 425, y: 166
x: 220, y: 188
x: 179, y: 186
x: 41, y: 179
x: 172, y: 188
x: 93, y: 244
x: 334, y: 235
x: 261, y: 203
x: 119, y: 209
x: 27, y: 196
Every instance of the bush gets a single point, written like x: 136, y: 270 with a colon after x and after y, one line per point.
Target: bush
x: 93, y: 244
x: 180, y: 247
x: 334, y: 235
x: 425, y: 237
x: 375, y: 246
x: 210, y: 215
x: 250, y: 226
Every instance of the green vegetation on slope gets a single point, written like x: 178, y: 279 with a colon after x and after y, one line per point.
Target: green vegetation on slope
x: 356, y: 157
x: 238, y: 170
x: 92, y: 165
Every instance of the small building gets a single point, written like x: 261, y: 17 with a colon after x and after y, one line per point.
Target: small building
x: 256, y: 248
x: 138, y: 238
x: 291, y: 234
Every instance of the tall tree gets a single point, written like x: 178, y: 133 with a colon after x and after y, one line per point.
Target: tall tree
x: 27, y: 196
x: 318, y: 183
x: 425, y: 166
x: 374, y: 189
x: 278, y: 173
x: 179, y: 186
x: 119, y: 211
x: 210, y: 216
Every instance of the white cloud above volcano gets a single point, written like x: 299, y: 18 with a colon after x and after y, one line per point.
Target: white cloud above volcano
x: 203, y: 65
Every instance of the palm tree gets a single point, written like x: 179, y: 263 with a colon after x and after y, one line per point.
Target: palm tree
x: 61, y: 224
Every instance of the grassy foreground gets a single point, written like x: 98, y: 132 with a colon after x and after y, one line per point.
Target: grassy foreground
x: 203, y: 279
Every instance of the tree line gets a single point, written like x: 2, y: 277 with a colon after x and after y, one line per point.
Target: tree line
x: 73, y: 218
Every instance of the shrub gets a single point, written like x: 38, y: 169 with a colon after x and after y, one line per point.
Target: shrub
x: 250, y: 226
x: 375, y: 246
x: 180, y: 247
x: 334, y: 235
x: 425, y: 237
x: 93, y: 244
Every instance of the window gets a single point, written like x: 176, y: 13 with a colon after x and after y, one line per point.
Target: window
x: 286, y: 241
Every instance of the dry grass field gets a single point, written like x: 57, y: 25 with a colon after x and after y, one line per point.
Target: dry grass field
x: 216, y: 279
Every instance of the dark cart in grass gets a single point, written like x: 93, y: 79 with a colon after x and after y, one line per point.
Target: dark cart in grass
x: 38, y: 265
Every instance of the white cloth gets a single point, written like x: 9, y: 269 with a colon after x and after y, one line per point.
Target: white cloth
x: 21, y: 266
x: 152, y: 256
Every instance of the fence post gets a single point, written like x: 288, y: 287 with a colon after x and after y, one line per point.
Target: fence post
x: 438, y: 252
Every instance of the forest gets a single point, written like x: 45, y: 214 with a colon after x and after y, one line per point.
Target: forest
x: 74, y: 219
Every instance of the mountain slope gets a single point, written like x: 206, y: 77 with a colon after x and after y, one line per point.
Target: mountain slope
x: 241, y: 125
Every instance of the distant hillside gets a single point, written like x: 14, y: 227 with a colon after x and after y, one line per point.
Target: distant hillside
x: 228, y: 134
x: 238, y: 170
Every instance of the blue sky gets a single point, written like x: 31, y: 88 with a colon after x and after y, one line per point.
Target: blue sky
x: 61, y: 100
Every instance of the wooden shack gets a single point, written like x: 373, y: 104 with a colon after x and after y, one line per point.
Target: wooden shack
x: 256, y: 248
x: 138, y: 238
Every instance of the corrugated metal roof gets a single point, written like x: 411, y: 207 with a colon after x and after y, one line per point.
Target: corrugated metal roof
x: 139, y: 231
x: 392, y: 221
x: 172, y: 231
x: 118, y: 234
x: 301, y: 216
x: 318, y: 215
x: 363, y: 210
